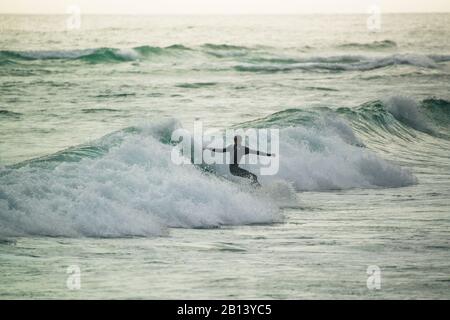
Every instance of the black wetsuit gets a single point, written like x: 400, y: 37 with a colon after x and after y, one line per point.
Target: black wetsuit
x: 237, y: 152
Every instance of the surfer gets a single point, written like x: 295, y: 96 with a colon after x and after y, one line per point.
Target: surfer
x: 237, y: 152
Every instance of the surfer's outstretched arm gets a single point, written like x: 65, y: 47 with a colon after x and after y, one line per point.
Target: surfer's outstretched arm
x: 259, y: 153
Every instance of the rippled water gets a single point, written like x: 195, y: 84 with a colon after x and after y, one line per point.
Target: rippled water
x: 86, y: 176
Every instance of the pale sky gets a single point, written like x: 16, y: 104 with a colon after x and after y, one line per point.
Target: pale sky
x: 220, y: 6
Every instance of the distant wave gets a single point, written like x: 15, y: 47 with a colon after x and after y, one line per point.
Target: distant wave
x: 92, y: 55
x: 95, y: 110
x: 343, y: 63
x: 9, y: 114
x: 396, y: 115
x: 321, y: 88
x: 384, y: 44
x: 224, y: 47
x: 225, y: 50
x: 115, y: 95
x: 239, y: 58
x: 196, y: 85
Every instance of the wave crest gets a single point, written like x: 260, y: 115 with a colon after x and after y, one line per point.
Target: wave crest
x: 242, y: 59
x: 384, y: 44
x: 341, y: 63
x: 98, y: 55
x: 133, y: 189
x: 125, y: 184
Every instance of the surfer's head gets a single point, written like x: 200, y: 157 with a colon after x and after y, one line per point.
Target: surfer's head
x: 237, y: 140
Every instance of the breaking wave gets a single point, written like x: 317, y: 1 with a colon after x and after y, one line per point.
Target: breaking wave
x: 342, y: 63
x: 125, y: 183
x: 241, y: 59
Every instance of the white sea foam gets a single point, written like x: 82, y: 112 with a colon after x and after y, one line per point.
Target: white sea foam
x: 328, y: 156
x: 406, y: 110
x: 128, y: 54
x: 133, y: 190
x: 316, y: 160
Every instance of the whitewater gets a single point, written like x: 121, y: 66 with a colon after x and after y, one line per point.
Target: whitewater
x: 86, y: 177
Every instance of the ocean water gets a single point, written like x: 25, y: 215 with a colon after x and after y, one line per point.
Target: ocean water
x: 86, y: 178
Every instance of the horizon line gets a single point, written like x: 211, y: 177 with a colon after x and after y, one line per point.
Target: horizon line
x: 224, y: 14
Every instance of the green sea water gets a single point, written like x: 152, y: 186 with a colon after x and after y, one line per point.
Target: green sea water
x: 86, y: 177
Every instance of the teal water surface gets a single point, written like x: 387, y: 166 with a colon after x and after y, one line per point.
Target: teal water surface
x: 86, y: 177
